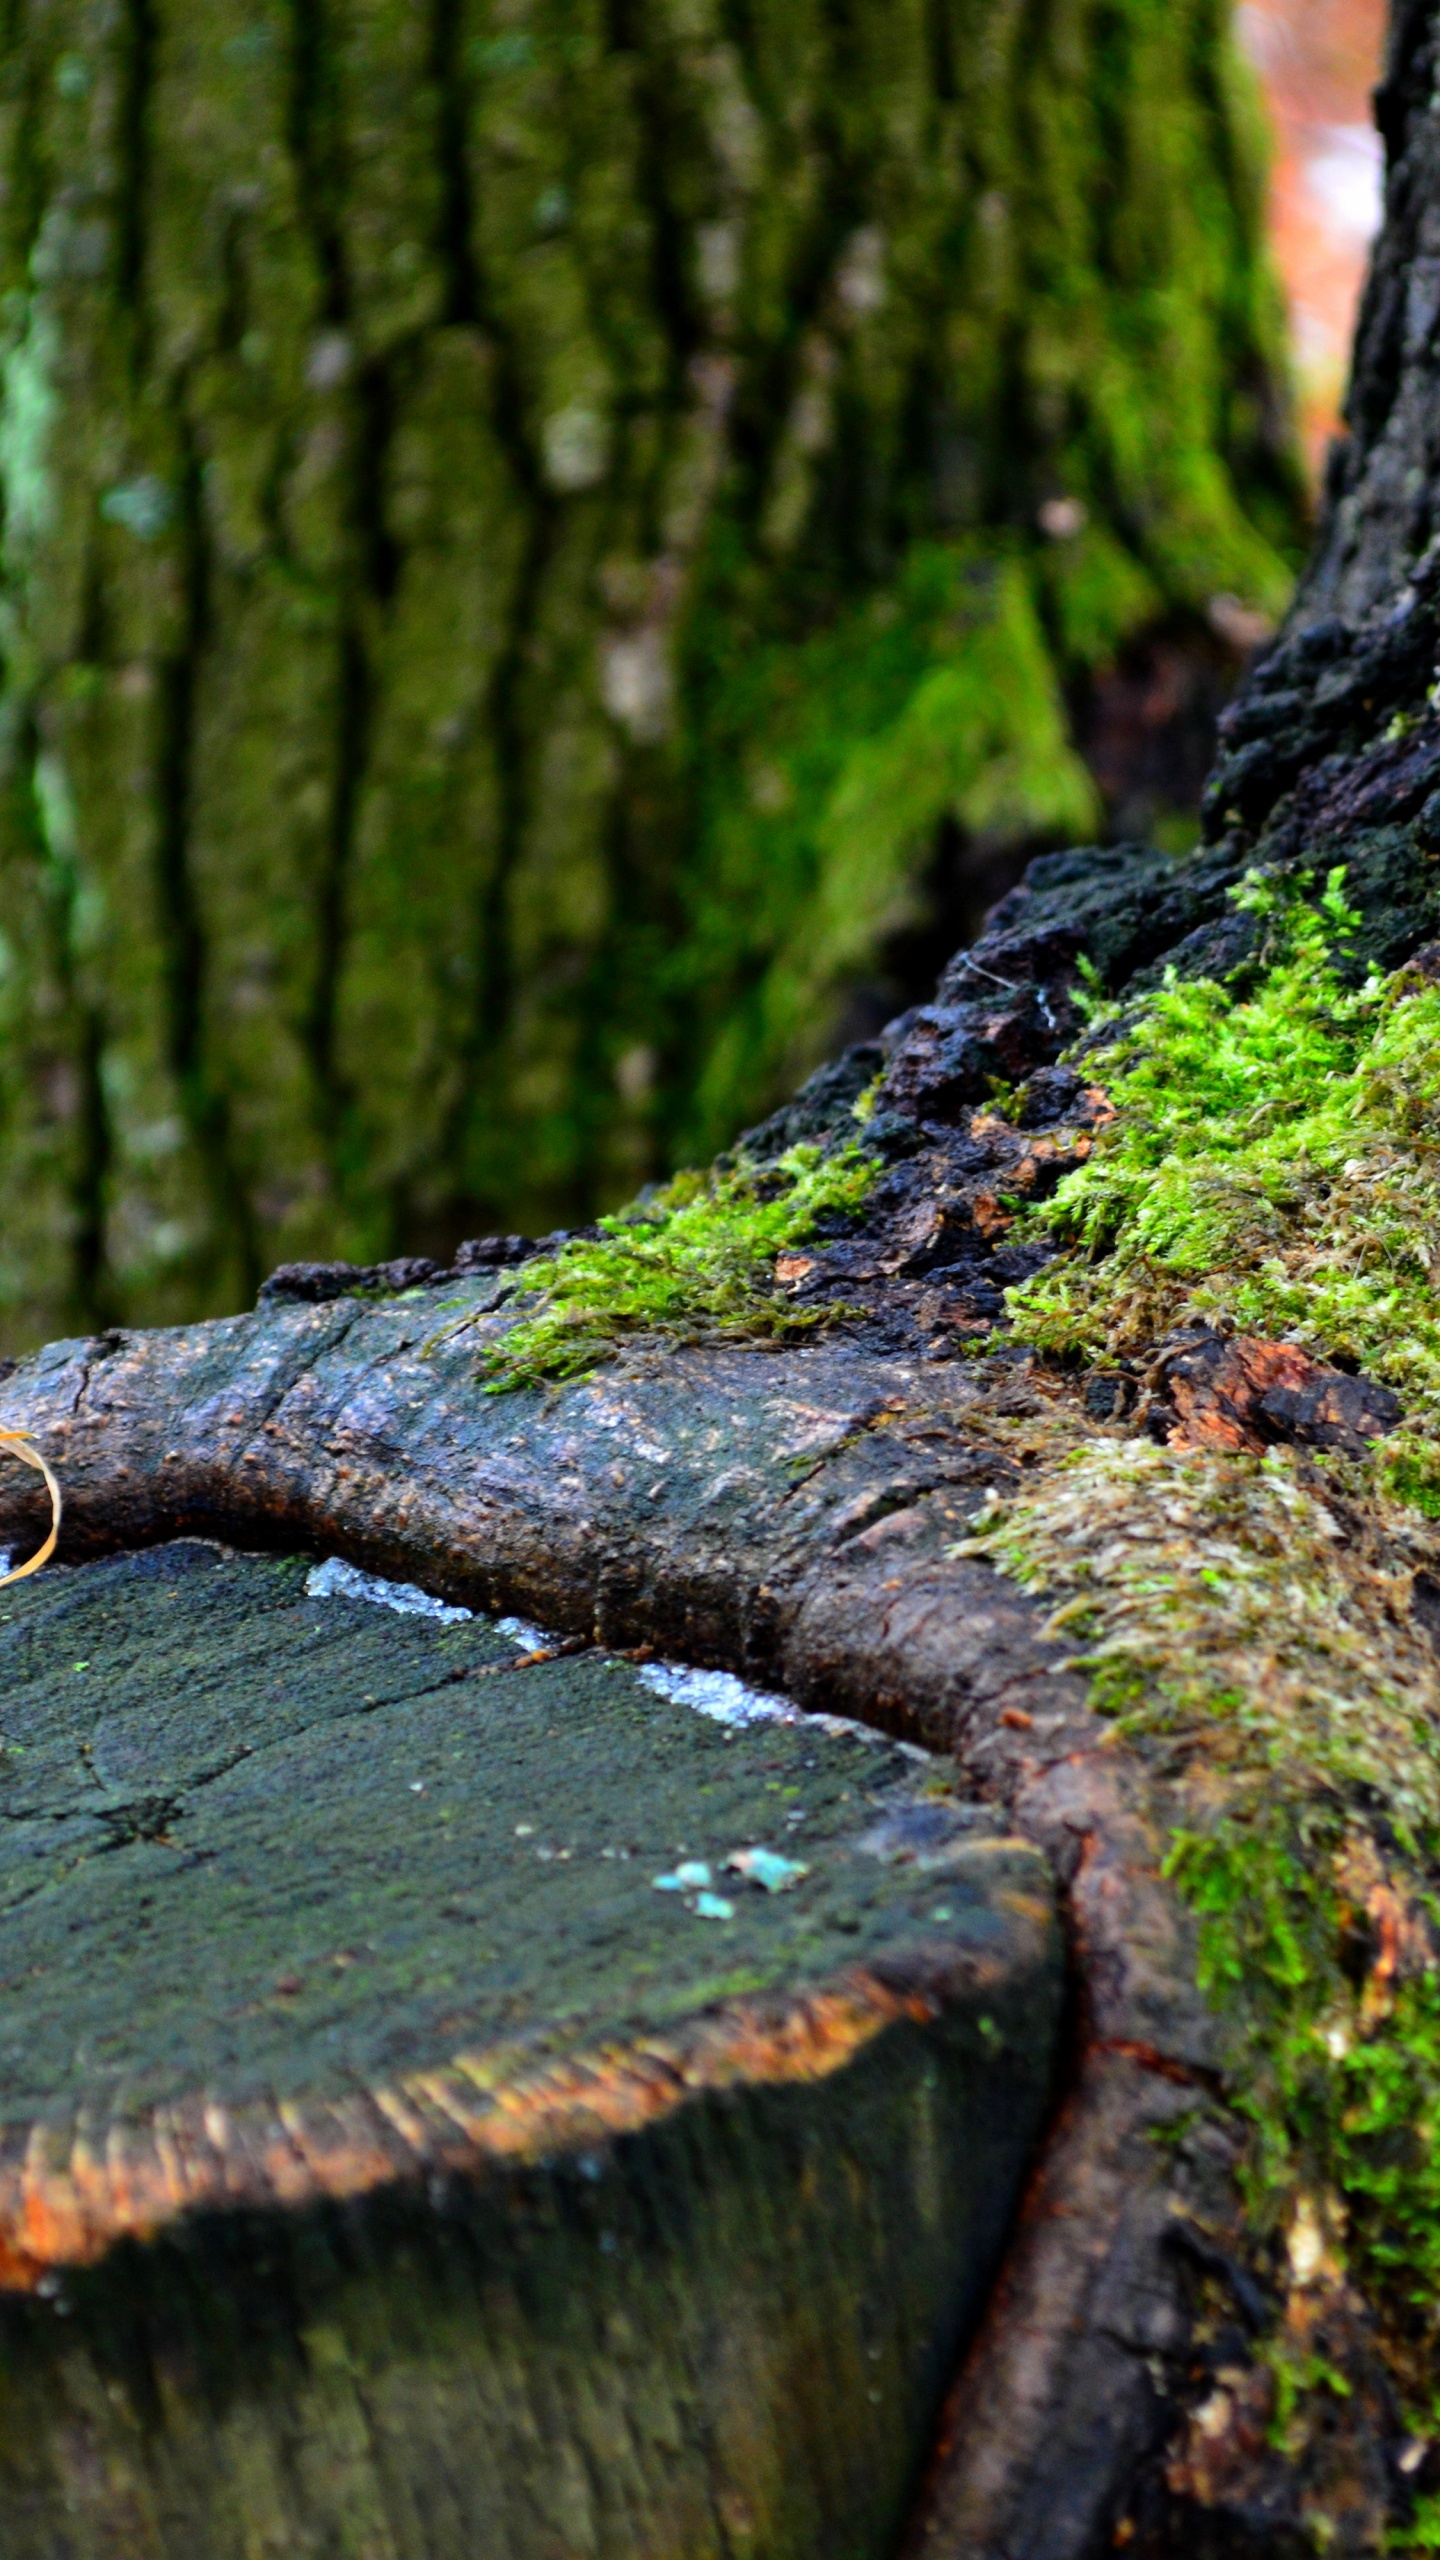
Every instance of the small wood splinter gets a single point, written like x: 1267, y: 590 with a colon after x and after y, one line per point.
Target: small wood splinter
x: 20, y: 1445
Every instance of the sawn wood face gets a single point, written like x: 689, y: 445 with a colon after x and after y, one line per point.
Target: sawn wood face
x: 789, y: 1515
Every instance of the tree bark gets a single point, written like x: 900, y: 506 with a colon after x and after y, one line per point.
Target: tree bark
x: 800, y: 1515
x: 525, y: 543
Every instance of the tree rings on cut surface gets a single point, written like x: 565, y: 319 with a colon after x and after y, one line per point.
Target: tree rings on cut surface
x: 460, y: 2106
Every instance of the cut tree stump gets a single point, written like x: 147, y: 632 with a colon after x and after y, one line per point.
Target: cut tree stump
x: 794, y: 1518
x: 428, y: 2131
x: 797, y: 1516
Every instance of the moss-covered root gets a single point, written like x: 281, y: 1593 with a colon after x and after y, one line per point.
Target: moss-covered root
x: 1270, y: 1166
x: 695, y: 1262
x: 1265, y: 1660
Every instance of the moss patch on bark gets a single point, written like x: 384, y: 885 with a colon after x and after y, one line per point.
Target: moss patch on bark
x: 1251, y: 1630
x: 695, y: 1262
x: 1258, y: 1626
x: 1271, y: 1166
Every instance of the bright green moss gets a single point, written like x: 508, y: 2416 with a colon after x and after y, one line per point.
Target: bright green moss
x: 695, y: 1260
x: 1423, y: 2531
x: 1271, y: 1164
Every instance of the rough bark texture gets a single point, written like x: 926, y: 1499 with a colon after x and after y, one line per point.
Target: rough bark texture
x: 1332, y: 753
x: 799, y: 1513
x: 527, y: 529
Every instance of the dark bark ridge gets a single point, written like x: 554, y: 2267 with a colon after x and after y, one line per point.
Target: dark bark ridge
x: 1332, y: 751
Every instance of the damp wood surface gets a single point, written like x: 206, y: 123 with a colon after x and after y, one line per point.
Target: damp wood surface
x: 792, y: 1516
x: 392, y: 2165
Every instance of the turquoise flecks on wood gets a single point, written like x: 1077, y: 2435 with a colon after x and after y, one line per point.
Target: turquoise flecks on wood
x: 520, y: 520
x: 542, y: 2211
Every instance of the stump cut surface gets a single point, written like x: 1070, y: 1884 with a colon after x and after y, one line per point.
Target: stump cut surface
x: 392, y: 2164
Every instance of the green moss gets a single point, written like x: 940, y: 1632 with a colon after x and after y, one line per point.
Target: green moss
x: 1266, y: 1662
x: 29, y: 404
x: 1271, y: 1164
x: 1097, y: 594
x: 938, y: 700
x: 696, y: 1260
x: 1249, y: 1627
x: 1165, y: 1563
x: 1423, y: 2531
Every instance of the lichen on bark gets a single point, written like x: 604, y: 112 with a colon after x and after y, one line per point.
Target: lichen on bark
x: 505, y: 509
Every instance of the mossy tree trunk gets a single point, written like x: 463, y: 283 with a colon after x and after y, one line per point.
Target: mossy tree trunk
x: 523, y: 520
x: 1215, y: 2326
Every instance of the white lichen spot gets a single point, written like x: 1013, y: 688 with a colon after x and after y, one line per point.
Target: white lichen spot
x: 1213, y: 2416
x: 717, y: 258
x: 575, y: 444
x: 637, y: 684
x: 1305, y: 2242
x: 330, y: 361
x: 860, y: 277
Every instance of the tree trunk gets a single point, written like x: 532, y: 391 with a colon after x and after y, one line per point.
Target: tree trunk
x: 1170, y: 1604
x: 531, y: 536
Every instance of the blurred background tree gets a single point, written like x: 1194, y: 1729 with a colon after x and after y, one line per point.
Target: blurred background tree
x: 555, y: 552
